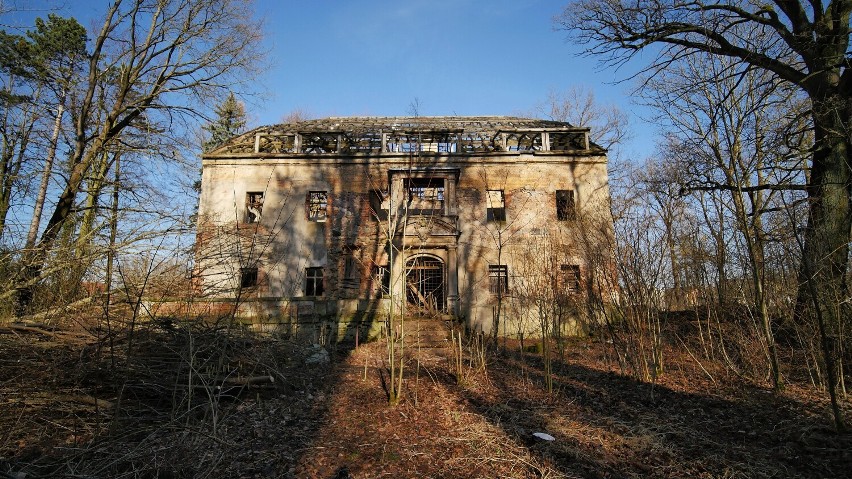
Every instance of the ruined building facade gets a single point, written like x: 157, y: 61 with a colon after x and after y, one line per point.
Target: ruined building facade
x: 296, y: 221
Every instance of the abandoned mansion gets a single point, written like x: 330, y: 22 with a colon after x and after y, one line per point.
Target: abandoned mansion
x: 333, y: 219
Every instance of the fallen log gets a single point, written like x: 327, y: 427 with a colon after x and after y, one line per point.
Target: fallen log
x: 248, y: 380
x: 53, y: 332
x: 93, y: 401
x: 86, y: 399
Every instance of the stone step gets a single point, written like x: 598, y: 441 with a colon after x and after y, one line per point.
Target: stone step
x: 427, y: 333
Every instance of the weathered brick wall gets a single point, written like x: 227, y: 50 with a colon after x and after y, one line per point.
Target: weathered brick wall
x: 284, y: 242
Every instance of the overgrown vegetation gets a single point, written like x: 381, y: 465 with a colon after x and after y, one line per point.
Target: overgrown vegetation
x: 720, y: 299
x: 761, y: 93
x: 185, y: 398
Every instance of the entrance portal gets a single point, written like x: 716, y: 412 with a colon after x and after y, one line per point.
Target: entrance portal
x: 424, y: 282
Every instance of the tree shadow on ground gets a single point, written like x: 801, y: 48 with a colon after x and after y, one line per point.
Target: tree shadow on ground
x: 184, y: 401
x: 332, y: 420
x: 609, y: 425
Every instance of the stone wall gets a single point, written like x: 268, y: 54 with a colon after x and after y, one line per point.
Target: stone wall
x: 315, y: 321
x: 352, y: 240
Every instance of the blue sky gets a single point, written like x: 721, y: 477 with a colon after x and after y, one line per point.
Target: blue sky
x: 374, y: 57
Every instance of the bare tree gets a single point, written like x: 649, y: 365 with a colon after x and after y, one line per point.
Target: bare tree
x: 502, y: 230
x: 151, y: 61
x: 610, y: 126
x: 537, y: 284
x: 631, y: 273
x: 297, y: 115
x: 736, y: 130
x: 803, y: 44
x: 415, y: 107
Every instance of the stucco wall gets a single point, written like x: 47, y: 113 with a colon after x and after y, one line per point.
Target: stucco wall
x: 284, y: 242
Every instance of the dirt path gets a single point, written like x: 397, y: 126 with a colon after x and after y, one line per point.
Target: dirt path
x: 433, y: 433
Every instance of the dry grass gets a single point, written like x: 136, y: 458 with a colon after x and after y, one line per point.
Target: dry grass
x: 161, y: 407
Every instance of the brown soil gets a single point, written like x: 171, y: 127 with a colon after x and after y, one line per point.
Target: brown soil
x: 60, y: 393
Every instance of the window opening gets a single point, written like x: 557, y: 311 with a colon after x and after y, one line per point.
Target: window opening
x: 365, y: 142
x: 523, y: 141
x: 313, y: 282
x: 480, y: 142
x: 496, y: 208
x: 429, y: 189
x: 381, y: 280
x: 254, y: 206
x: 378, y: 205
x: 570, y: 275
x: 248, y: 277
x: 565, y: 209
x: 317, y: 206
x: 275, y: 143
x: 498, y: 278
x: 564, y: 141
x: 425, y: 195
x: 319, y: 143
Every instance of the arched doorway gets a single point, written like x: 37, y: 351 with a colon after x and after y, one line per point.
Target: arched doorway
x: 424, y: 282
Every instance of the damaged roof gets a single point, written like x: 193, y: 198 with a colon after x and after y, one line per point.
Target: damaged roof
x: 377, y: 134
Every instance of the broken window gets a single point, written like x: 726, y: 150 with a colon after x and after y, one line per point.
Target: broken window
x: 565, y: 205
x: 498, y: 279
x: 254, y: 206
x: 313, y: 282
x: 317, y: 206
x: 496, y: 207
x: 425, y: 195
x: 378, y: 205
x: 381, y: 280
x: 569, y: 277
x: 429, y: 189
x: 248, y: 277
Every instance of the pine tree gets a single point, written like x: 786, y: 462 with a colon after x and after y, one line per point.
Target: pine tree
x: 230, y: 121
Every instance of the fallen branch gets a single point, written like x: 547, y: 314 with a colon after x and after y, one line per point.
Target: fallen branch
x: 249, y: 380
x: 70, y: 336
x: 86, y: 399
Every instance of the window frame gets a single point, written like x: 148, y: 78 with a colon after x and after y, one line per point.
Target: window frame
x: 419, y: 191
x: 316, y: 206
x: 498, y: 279
x: 314, y: 281
x: 566, y: 206
x: 426, y: 195
x: 254, y: 199
x: 249, y: 277
x: 495, y: 213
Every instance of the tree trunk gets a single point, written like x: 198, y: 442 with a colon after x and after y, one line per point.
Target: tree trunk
x: 32, y: 235
x: 95, y: 184
x: 822, y: 276
x: 13, y: 161
x: 33, y: 259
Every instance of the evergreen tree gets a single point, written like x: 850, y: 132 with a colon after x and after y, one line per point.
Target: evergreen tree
x: 36, y: 73
x: 58, y: 55
x: 230, y: 121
